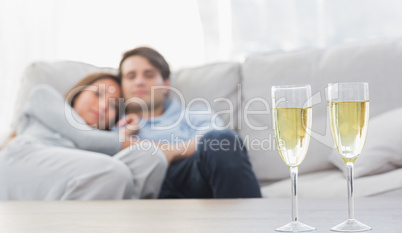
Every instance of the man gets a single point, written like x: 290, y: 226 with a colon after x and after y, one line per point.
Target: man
x: 202, y: 171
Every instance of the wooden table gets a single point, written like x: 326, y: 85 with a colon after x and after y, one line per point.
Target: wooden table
x: 206, y: 216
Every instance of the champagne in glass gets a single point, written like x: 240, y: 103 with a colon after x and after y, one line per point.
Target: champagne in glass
x: 348, y: 107
x: 292, y: 116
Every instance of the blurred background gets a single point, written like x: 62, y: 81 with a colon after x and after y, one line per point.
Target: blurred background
x: 187, y: 32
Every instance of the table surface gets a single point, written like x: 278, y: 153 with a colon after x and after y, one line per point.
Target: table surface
x: 193, y: 215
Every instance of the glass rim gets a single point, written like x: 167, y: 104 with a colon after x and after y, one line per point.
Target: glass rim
x: 347, y: 92
x: 346, y: 101
x: 291, y: 86
x: 348, y: 83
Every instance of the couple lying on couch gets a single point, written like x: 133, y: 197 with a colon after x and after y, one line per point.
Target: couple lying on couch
x: 69, y: 148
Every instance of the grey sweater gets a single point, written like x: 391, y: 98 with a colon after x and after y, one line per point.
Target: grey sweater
x: 49, y: 120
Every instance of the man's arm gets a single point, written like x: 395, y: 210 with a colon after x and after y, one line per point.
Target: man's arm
x: 175, y: 152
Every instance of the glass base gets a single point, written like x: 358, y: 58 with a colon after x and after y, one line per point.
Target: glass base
x: 351, y: 225
x: 295, y: 226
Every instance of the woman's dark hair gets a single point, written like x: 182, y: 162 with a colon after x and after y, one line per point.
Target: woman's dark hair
x: 86, y: 81
x: 153, y: 56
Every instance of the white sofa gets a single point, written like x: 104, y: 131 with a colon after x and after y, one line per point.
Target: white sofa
x: 240, y: 93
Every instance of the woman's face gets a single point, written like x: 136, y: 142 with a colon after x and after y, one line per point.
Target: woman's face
x: 97, y: 103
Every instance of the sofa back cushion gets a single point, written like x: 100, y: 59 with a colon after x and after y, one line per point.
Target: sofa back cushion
x: 375, y: 62
x: 215, y: 85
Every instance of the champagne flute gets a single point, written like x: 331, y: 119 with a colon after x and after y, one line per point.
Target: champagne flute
x: 348, y: 105
x: 292, y: 116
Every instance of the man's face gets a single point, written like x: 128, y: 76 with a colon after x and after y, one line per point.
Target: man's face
x: 138, y: 77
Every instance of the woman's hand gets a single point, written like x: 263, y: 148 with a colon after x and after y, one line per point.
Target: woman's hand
x: 128, y: 142
x: 129, y: 125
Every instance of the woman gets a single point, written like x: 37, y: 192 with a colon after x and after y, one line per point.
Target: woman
x: 62, y: 146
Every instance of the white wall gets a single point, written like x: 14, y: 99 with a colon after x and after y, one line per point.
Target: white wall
x: 92, y: 31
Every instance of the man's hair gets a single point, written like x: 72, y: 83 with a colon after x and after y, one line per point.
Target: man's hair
x: 153, y: 56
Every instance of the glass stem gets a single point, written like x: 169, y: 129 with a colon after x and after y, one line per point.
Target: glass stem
x: 293, y: 178
x: 351, y: 207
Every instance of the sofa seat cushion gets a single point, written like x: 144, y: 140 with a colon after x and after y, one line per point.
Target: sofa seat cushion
x: 332, y: 184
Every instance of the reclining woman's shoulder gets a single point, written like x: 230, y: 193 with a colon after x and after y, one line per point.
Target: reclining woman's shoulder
x: 45, y: 90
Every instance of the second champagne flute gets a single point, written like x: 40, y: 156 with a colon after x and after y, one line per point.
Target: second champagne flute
x: 292, y: 115
x: 348, y: 107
